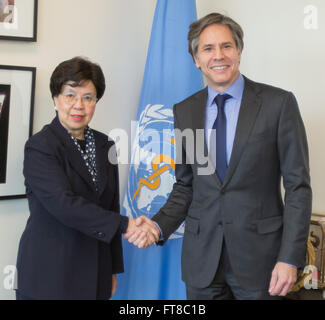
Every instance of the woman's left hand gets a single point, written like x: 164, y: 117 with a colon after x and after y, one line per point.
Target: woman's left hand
x: 114, y: 284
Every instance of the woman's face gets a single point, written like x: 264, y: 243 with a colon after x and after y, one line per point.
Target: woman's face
x: 76, y: 106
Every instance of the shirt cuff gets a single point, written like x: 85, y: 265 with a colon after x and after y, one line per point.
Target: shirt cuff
x: 289, y: 264
x: 161, y: 238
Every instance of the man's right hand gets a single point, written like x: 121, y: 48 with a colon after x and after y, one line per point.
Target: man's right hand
x: 142, y: 232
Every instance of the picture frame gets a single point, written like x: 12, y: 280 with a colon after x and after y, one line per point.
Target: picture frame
x: 18, y: 20
x: 17, y: 94
x: 317, y: 235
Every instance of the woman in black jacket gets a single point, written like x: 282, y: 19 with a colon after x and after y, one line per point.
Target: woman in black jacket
x: 71, y: 246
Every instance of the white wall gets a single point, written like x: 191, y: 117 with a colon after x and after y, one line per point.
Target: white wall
x: 115, y: 33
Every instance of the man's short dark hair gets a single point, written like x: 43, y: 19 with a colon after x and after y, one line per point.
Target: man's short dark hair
x: 198, y: 26
x: 77, y: 70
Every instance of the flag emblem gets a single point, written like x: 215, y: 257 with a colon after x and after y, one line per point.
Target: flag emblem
x: 153, y: 166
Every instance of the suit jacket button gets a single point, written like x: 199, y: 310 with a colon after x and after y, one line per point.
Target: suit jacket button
x: 222, y: 191
x: 99, y: 234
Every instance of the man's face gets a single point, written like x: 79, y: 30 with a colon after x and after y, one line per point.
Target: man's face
x: 218, y: 57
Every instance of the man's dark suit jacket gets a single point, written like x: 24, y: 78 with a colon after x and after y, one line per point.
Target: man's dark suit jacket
x: 71, y: 245
x: 247, y: 210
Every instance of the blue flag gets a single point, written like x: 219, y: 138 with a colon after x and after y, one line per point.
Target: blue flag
x: 170, y: 76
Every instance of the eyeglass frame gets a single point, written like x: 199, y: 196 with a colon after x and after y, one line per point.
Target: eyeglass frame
x: 77, y: 97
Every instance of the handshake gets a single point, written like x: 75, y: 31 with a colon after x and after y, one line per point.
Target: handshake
x: 142, y: 232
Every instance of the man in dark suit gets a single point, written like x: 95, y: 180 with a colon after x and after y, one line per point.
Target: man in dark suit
x: 241, y: 240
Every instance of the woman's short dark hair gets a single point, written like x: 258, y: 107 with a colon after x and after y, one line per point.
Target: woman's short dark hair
x: 198, y: 26
x: 77, y: 70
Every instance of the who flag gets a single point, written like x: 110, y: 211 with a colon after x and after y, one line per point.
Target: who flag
x: 170, y: 76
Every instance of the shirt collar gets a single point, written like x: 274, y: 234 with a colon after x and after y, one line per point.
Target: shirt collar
x: 235, y: 90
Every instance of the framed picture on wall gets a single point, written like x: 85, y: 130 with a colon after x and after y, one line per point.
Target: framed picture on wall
x: 17, y: 89
x: 18, y: 19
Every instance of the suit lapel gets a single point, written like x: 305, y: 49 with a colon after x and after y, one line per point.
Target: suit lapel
x: 249, y: 109
x: 101, y: 161
x: 198, y: 122
x: 71, y: 151
x: 198, y: 114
